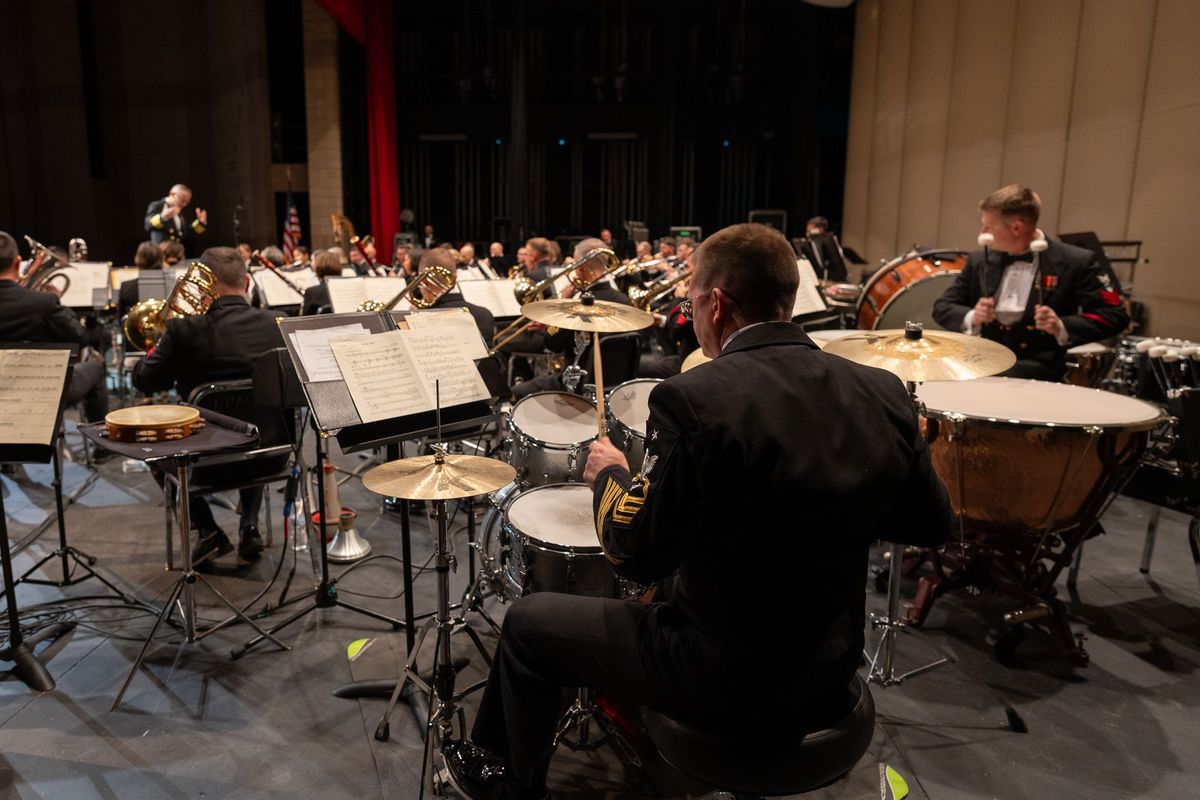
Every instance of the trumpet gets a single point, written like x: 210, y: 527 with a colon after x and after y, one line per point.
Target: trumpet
x: 527, y: 291
x: 434, y: 283
x: 647, y: 297
x: 43, y: 270
x: 192, y: 294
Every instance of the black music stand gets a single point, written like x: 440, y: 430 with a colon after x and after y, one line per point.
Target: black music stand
x: 222, y: 440
x: 27, y: 668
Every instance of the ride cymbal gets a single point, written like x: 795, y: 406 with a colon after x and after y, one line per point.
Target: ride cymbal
x: 694, y: 359
x: 577, y: 314
x: 928, y: 356
x: 423, y: 478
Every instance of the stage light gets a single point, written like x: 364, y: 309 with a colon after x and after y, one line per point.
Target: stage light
x: 725, y: 143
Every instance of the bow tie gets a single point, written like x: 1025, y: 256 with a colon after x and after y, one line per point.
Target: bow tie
x: 1006, y: 259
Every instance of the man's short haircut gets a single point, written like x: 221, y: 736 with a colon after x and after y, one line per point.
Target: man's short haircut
x: 539, y: 245
x: 755, y: 265
x: 440, y: 257
x: 666, y: 240
x: 8, y: 250
x: 299, y: 249
x: 273, y: 254
x: 181, y: 187
x: 585, y: 245
x: 148, y: 256
x: 1014, y: 200
x: 227, y: 265
x: 327, y: 263
x: 819, y: 222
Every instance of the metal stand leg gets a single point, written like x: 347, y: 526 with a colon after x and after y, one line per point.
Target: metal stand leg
x: 1076, y: 562
x: 1151, y: 535
x: 582, y: 713
x: 26, y: 666
x: 183, y: 593
x: 883, y: 662
x: 325, y: 595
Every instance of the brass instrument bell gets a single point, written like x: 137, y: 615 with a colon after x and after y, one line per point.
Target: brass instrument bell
x: 191, y: 296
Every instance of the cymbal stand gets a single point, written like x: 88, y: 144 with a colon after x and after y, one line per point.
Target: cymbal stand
x: 444, y: 701
x: 883, y: 662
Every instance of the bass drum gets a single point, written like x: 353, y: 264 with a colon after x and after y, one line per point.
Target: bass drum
x: 905, y: 289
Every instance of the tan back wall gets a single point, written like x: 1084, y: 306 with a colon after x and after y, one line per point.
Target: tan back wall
x: 1093, y: 103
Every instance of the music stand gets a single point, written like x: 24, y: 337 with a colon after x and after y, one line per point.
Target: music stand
x: 222, y: 440
x: 333, y: 412
x: 25, y: 449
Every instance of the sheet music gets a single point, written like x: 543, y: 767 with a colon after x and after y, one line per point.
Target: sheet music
x: 312, y: 345
x: 122, y: 274
x: 31, y: 387
x: 496, y: 296
x: 458, y: 320
x: 86, y: 276
x: 382, y: 380
x: 277, y: 293
x: 442, y: 354
x: 347, y: 294
x: 808, y: 293
x: 394, y: 374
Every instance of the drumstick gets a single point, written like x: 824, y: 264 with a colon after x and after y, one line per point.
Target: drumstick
x: 599, y: 381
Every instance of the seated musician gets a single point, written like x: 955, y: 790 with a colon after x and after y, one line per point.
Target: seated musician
x: 218, y: 346
x: 300, y: 256
x: 172, y: 253
x: 148, y: 256
x: 563, y: 341
x: 533, y: 260
x: 823, y: 251
x: 672, y: 330
x: 32, y: 316
x: 643, y: 251
x: 327, y: 264
x: 1035, y: 303
x: 741, y: 466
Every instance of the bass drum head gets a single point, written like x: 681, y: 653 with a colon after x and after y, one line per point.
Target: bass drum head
x: 914, y: 303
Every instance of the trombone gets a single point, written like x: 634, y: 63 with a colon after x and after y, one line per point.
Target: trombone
x: 434, y: 283
x: 647, y: 297
x: 527, y: 291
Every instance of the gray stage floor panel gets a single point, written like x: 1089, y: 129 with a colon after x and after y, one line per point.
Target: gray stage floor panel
x: 196, y: 723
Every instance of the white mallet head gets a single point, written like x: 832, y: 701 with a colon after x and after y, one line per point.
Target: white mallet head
x: 985, y: 239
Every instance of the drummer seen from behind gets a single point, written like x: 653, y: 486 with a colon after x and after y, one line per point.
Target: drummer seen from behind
x: 1035, y: 296
x: 742, y: 468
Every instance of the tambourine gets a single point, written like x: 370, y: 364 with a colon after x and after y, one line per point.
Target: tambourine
x: 154, y: 423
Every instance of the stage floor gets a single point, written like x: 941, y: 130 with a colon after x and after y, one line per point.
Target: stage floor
x: 195, y: 724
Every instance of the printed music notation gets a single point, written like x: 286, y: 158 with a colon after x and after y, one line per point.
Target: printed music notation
x: 312, y: 345
x: 496, y: 296
x: 31, y: 387
x: 347, y: 294
x: 454, y: 319
x: 808, y: 293
x: 398, y: 373
x: 277, y: 293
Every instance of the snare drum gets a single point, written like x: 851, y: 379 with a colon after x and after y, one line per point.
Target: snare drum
x: 905, y: 289
x: 549, y: 544
x: 1088, y: 364
x: 1023, y: 457
x: 551, y: 432
x: 627, y: 410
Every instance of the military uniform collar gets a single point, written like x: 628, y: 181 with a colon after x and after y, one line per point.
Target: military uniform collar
x: 765, y: 335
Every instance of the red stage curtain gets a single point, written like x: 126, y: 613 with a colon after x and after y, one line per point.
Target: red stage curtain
x: 371, y: 23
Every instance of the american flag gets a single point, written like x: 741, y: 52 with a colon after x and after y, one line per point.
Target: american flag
x: 291, y: 230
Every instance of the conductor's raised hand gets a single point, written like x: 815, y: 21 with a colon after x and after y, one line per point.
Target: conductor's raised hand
x: 602, y: 455
x: 202, y: 215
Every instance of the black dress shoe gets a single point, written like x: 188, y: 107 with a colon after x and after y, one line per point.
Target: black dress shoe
x: 250, y: 546
x: 479, y: 774
x: 211, y: 544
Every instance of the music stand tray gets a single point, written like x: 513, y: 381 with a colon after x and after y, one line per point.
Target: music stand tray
x: 223, y: 439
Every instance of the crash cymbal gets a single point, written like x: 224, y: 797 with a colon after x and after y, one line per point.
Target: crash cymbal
x: 931, y: 356
x: 694, y: 359
x: 422, y: 478
x: 576, y: 314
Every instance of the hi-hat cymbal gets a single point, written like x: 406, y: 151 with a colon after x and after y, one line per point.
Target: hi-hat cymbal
x: 694, y: 359
x: 573, y: 314
x: 935, y: 356
x: 422, y: 478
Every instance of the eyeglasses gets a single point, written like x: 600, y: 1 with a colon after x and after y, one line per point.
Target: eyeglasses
x: 687, y: 309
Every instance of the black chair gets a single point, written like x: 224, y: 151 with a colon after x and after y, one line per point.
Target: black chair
x: 620, y: 357
x: 768, y: 765
x: 268, y: 463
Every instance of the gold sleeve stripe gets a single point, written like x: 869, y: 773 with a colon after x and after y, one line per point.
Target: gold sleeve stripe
x: 612, y: 491
x: 198, y: 226
x: 156, y: 221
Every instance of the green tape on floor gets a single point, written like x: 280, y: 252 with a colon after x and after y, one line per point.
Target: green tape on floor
x: 355, y: 648
x: 891, y: 784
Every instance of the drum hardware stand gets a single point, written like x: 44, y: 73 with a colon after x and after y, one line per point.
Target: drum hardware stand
x: 325, y: 595
x: 582, y: 712
x: 183, y: 592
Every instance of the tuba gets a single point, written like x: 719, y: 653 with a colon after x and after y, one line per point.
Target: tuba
x: 434, y: 283
x: 44, y: 269
x: 191, y: 296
